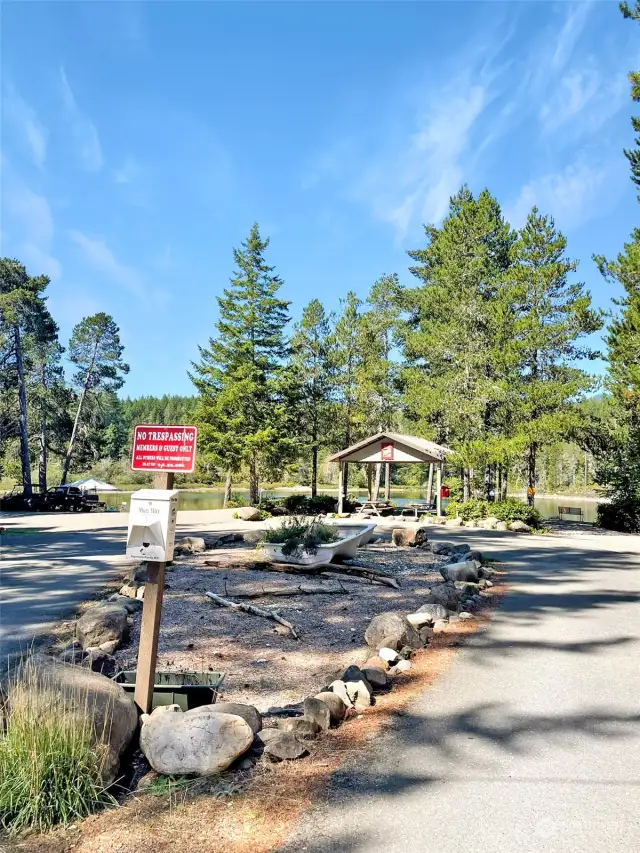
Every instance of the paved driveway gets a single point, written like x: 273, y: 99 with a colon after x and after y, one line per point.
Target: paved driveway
x: 530, y: 743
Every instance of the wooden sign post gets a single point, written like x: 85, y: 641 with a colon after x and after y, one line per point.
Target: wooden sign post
x: 163, y: 450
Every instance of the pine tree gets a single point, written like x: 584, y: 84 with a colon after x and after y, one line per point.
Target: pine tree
x: 553, y: 315
x: 457, y: 323
x: 313, y: 377
x: 96, y: 352
x: 347, y: 358
x: 240, y: 407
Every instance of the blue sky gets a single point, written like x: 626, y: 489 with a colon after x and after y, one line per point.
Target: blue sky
x: 140, y: 141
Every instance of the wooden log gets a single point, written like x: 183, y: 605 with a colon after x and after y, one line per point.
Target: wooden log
x: 302, y: 589
x: 367, y: 572
x: 253, y: 611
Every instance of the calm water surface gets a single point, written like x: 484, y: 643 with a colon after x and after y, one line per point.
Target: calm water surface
x: 213, y: 500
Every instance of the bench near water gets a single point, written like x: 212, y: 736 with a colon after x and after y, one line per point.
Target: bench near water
x: 563, y: 511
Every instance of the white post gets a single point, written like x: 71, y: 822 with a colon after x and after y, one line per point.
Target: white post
x: 340, y: 476
x: 439, y: 491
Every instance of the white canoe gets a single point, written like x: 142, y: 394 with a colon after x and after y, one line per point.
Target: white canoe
x: 344, y: 548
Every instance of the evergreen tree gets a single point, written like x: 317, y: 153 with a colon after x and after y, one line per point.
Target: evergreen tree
x: 96, y: 352
x: 553, y: 315
x: 313, y: 377
x: 240, y: 408
x: 458, y: 322
x: 347, y: 358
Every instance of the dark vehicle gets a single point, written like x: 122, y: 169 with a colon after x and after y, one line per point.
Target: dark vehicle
x: 17, y: 501
x: 70, y: 499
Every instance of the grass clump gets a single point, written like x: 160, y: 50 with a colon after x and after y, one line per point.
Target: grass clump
x: 298, y: 535
x: 51, y: 767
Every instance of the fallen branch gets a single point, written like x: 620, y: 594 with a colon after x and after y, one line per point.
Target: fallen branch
x: 303, y: 589
x: 352, y: 573
x: 253, y: 610
x: 372, y: 574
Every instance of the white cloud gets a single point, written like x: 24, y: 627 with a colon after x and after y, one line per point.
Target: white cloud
x: 127, y: 173
x: 83, y: 130
x: 570, y: 194
x: 27, y: 124
x: 414, y: 180
x: 570, y: 34
x: 98, y: 255
x: 32, y: 230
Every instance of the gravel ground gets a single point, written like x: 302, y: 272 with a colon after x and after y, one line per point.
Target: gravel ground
x: 264, y: 665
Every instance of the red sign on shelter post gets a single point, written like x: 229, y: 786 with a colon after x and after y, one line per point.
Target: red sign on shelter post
x: 164, y: 448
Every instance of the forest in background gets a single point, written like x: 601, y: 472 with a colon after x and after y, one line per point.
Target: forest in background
x: 488, y: 353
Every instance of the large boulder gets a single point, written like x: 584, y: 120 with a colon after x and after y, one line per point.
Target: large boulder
x: 391, y: 626
x: 466, y: 571
x: 104, y: 623
x: 419, y: 620
x: 248, y: 513
x: 434, y: 611
x: 48, y: 686
x: 376, y: 677
x: 336, y: 706
x: 304, y: 728
x: 190, y: 545
x: 490, y: 523
x: 454, y: 522
x: 519, y: 527
x: 285, y: 746
x: 201, y: 741
x: 403, y: 536
x: 442, y: 548
x: 502, y: 525
x: 445, y: 594
x: 318, y: 712
x: 248, y: 713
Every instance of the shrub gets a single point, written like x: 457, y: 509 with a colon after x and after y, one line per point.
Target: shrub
x: 622, y: 514
x: 512, y: 509
x: 236, y: 500
x: 299, y: 535
x: 471, y: 509
x: 51, y: 768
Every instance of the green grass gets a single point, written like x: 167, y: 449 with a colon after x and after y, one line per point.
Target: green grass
x: 299, y: 535
x: 51, y: 767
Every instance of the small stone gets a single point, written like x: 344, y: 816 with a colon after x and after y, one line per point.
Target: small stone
x: 519, y: 527
x: 465, y: 571
x: 376, y: 662
x: 190, y: 545
x: 318, y: 712
x: 336, y: 706
x: 502, y: 525
x: 360, y: 694
x: 140, y: 593
x: 442, y: 548
x: 377, y: 678
x: 301, y: 727
x: 419, y: 620
x: 252, y: 537
x: 402, y: 667
x: 128, y: 590
x: 108, y: 647
x: 340, y: 689
x: 248, y: 513
x: 389, y: 655
x: 433, y: 611
x: 99, y: 661
x: 465, y: 616
x: 245, y: 764
x: 474, y: 555
x: 389, y: 643
x: 391, y: 624
x: 426, y: 634
x: 439, y: 626
x: 285, y: 747
x: 454, y: 522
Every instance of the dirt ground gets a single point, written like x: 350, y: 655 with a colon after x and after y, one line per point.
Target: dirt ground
x: 264, y: 665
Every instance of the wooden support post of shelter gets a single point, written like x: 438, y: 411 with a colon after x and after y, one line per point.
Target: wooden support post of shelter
x: 439, y: 492
x: 390, y: 447
x: 151, y: 613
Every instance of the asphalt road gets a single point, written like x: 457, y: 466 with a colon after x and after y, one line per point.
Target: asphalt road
x: 531, y: 740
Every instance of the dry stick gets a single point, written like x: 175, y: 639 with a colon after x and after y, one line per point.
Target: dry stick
x: 303, y: 589
x: 254, y: 611
x: 370, y: 573
x: 359, y: 577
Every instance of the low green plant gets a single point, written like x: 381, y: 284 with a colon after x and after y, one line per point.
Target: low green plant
x: 512, y: 509
x: 51, y: 763
x: 236, y: 501
x: 468, y: 510
x: 299, y: 535
x: 622, y: 513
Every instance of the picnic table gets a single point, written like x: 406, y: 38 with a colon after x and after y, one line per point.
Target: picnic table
x: 417, y: 508
x: 380, y: 508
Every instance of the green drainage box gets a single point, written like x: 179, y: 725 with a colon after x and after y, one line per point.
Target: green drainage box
x: 186, y: 689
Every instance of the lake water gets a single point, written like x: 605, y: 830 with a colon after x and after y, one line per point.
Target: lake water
x: 212, y: 499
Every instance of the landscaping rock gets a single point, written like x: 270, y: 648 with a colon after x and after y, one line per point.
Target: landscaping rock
x: 376, y: 677
x: 443, y: 548
x: 419, y: 620
x: 359, y: 692
x: 389, y: 655
x: 520, y: 527
x: 72, y: 653
x: 486, y: 572
x: 402, y: 537
x: 392, y: 626
x: 474, y: 555
x: 459, y: 550
x: 190, y: 545
x: 337, y: 708
x: 285, y: 747
x: 249, y: 714
x: 376, y: 662
x: 402, y: 667
x: 302, y: 727
x: 340, y: 689
x: 390, y: 643
x: 466, y: 571
x: 426, y: 633
x: 445, y: 594
x: 252, y: 537
x: 502, y: 525
x: 102, y: 624
x: 434, y: 611
x: 51, y: 685
x: 488, y: 523
x: 131, y: 605
x: 101, y: 661
x: 318, y: 712
x: 129, y: 590
x: 140, y: 593
x: 200, y: 741
x: 137, y: 575
x: 439, y: 626
x: 165, y: 709
x: 248, y: 513
x: 464, y: 615
x: 354, y: 673
x: 454, y: 522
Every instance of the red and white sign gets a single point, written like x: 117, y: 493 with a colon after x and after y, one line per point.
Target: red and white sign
x: 164, y: 448
x: 387, y: 449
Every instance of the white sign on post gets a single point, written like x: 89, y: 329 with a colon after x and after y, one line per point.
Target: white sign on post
x: 152, y: 524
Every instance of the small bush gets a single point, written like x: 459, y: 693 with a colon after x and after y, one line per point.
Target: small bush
x: 51, y: 768
x: 471, y: 509
x: 512, y: 509
x: 622, y: 515
x: 299, y: 535
x: 236, y: 501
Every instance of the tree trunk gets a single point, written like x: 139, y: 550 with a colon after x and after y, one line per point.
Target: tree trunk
x: 314, y: 471
x: 254, y: 496
x: 505, y: 479
x: 487, y: 482
x: 227, y: 490
x: 23, y: 419
x: 376, y: 484
x: 345, y: 480
x: 369, y: 481
x: 531, y: 473
x: 466, y: 484
x: 87, y: 378
x: 430, y: 483
x: 42, y: 466
x: 387, y: 481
